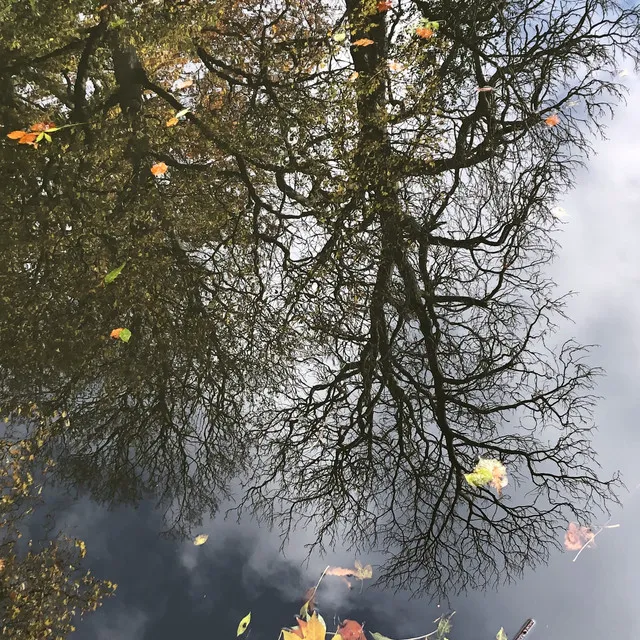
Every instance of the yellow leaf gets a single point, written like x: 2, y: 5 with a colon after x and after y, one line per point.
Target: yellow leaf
x: 244, y: 623
x: 353, y: 76
x: 201, y: 539
x: 172, y: 122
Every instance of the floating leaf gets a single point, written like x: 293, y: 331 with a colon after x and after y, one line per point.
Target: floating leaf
x: 159, y: 169
x: 395, y: 66
x: 28, y: 138
x: 115, y: 334
x: 312, y: 629
x: 125, y: 335
x: 360, y: 572
x: 16, y: 135
x: 350, y: 630
x: 354, y: 76
x: 483, y: 89
x: 182, y: 113
x: 552, y: 120
x: 501, y: 635
x: 183, y: 84
x: 577, y: 537
x: 378, y: 636
x: 488, y: 471
x: 622, y: 73
x: 201, y: 539
x: 384, y: 5
x: 424, y: 32
x: 559, y: 212
x: 42, y: 126
x: 341, y: 36
x: 243, y: 624
x: 172, y: 122
x: 112, y: 275
x: 363, y: 42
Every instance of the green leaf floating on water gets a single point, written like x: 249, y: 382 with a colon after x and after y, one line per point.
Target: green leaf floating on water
x: 125, y: 334
x: 112, y: 275
x: 244, y: 623
x: 378, y: 636
x: 501, y: 635
x: 478, y: 478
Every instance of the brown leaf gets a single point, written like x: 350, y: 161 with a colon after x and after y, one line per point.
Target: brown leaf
x: 424, y: 32
x: 42, y: 126
x: 28, y: 138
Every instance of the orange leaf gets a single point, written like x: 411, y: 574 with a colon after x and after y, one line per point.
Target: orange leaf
x: 115, y: 334
x: 159, y: 169
x: 552, y: 120
x: 103, y: 7
x: 384, y: 5
x: 172, y: 122
x: 424, y: 32
x: 42, y: 126
x: 354, y: 76
x: 28, y: 138
x: 183, y: 84
x: 351, y: 630
x: 395, y: 66
x: 363, y: 42
x: 16, y: 135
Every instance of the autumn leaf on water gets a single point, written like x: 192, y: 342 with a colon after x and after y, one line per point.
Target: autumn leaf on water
x: 121, y: 334
x: 552, y: 120
x: 172, y: 122
x: 395, y: 66
x: 577, y: 537
x: 341, y: 36
x: 312, y: 629
x: 200, y: 539
x: 16, y: 135
x: 243, y: 624
x: 112, y: 275
x: 384, y: 5
x: 359, y: 572
x: 43, y: 126
x: 363, y: 42
x: 501, y: 635
x: 350, y: 630
x: 488, y: 471
x: 28, y: 138
x: 424, y: 32
x: 159, y: 169
x: 484, y: 89
x: 183, y: 84
x: 353, y: 77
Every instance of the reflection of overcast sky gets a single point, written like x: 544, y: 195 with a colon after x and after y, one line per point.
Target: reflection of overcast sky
x: 170, y: 589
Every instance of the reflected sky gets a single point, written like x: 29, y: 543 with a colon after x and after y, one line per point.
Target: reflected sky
x: 170, y: 588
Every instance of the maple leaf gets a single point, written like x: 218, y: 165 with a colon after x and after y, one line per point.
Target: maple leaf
x: 552, y: 120
x: 577, y: 537
x: 312, y: 629
x: 159, y: 169
x: 350, y: 630
x: 363, y: 42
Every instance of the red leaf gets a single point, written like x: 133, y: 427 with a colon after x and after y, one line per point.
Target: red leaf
x: 351, y: 630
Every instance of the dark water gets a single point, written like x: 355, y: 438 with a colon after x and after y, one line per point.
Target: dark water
x: 217, y: 219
